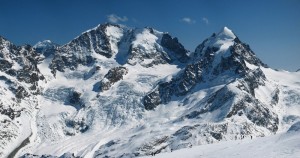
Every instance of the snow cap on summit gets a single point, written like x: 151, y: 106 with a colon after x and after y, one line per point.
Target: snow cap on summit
x: 226, y: 33
x: 43, y: 43
x: 47, y: 41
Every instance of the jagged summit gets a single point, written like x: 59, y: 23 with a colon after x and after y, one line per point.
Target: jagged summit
x: 144, y: 46
x: 217, y: 44
x: 225, y: 45
x: 46, y: 47
x: 107, y: 24
x: 46, y: 44
x: 226, y: 33
x: 218, y: 59
x: 43, y: 43
x: 4, y: 40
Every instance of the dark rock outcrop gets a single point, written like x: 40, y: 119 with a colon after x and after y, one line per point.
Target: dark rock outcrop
x: 113, y: 75
x: 75, y: 100
x: 20, y: 62
x: 275, y: 96
x: 10, y: 112
x: 79, y: 50
x: 172, y: 44
x: 78, y: 125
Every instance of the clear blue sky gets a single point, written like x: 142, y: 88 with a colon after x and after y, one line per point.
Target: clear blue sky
x: 270, y: 27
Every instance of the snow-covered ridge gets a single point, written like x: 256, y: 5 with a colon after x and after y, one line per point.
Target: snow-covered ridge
x: 134, y: 46
x: 44, y: 43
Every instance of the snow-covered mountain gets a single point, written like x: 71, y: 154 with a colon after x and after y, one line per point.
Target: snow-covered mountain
x: 116, y: 91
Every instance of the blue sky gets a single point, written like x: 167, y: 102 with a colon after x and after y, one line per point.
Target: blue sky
x: 270, y: 27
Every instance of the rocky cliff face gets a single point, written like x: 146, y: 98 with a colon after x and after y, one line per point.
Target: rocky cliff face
x: 20, y: 62
x: 145, y: 46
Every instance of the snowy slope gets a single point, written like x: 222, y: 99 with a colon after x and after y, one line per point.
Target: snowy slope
x: 118, y: 91
x: 281, y: 145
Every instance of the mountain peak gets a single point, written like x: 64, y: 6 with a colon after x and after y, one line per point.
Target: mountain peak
x: 44, y: 43
x: 219, y: 43
x: 45, y: 47
x: 221, y: 48
x: 47, y: 41
x: 2, y: 39
x: 226, y: 33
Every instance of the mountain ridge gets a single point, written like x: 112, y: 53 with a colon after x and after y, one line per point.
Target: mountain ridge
x: 146, y: 83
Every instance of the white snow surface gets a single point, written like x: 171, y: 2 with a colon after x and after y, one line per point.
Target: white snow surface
x: 284, y: 145
x: 107, y: 118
